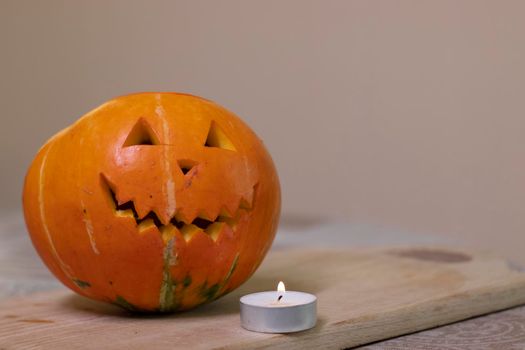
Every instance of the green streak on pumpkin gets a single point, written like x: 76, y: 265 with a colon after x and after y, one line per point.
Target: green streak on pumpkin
x: 167, y: 288
x: 214, y: 291
x: 210, y: 293
x: 81, y: 284
x: 187, y: 281
x: 123, y: 303
x: 232, y: 269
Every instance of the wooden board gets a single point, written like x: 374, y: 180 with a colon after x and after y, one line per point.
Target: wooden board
x: 364, y: 296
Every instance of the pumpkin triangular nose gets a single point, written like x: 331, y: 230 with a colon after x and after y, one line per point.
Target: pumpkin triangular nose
x: 186, y: 165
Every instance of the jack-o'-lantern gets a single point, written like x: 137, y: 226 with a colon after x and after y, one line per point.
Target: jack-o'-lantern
x: 153, y: 201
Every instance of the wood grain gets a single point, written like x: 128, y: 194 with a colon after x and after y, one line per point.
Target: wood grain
x: 503, y: 330
x: 364, y: 296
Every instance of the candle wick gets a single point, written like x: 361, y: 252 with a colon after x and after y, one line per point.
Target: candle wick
x: 280, y: 297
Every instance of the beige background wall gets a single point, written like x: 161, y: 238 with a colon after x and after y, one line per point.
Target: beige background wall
x: 406, y: 114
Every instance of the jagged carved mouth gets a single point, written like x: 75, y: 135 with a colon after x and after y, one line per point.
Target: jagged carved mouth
x: 188, y: 228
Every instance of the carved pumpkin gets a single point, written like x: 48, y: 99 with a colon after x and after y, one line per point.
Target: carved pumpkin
x: 153, y: 201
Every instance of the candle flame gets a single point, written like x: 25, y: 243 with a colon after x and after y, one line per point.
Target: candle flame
x: 280, y: 287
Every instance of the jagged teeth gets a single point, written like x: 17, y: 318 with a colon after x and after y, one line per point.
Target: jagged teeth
x: 187, y: 224
x: 225, y: 213
x: 180, y: 217
x: 146, y: 224
x: 180, y: 220
x: 213, y: 230
x: 204, y: 215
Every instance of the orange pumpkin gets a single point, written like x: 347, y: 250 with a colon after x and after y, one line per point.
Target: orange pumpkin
x: 153, y: 201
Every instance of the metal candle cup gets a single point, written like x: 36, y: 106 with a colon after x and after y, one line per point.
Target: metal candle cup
x: 278, y: 311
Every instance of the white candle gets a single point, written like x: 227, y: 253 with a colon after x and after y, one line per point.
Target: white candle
x: 278, y: 311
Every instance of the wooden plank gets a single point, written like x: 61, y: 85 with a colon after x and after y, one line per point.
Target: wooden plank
x: 364, y: 296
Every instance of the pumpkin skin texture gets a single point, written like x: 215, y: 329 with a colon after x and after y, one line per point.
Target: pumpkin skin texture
x: 156, y: 202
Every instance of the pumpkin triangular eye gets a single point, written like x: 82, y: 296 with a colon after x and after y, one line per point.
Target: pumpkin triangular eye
x: 217, y: 138
x: 141, y: 134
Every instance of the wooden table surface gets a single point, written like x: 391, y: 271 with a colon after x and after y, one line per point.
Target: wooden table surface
x: 22, y: 273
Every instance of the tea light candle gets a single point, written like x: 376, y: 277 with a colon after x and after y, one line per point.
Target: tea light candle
x: 278, y: 311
